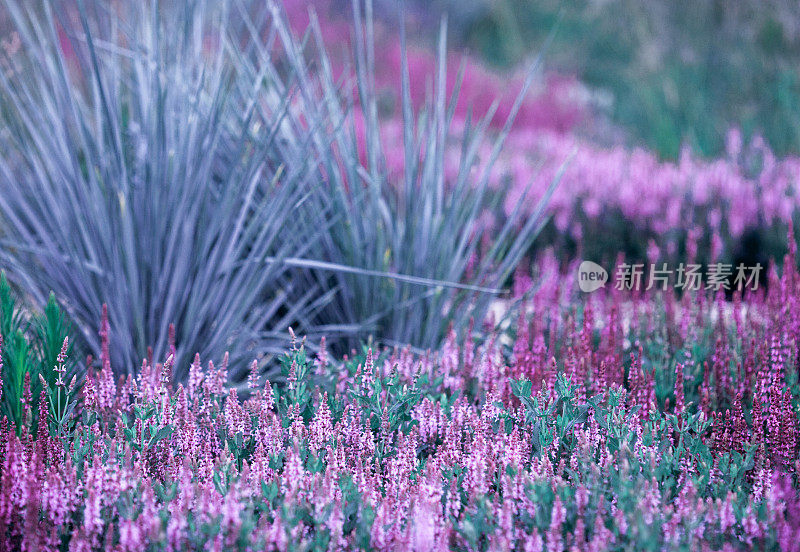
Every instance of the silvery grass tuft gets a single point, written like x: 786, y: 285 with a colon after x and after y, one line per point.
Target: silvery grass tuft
x: 407, y: 263
x: 138, y: 169
x: 200, y: 165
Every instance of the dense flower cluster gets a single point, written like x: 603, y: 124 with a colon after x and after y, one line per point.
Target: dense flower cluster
x: 616, y: 422
x: 668, y: 201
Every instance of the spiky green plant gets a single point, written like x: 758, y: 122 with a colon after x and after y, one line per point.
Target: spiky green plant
x: 30, y: 350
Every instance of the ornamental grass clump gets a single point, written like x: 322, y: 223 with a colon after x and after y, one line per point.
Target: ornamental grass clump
x: 408, y: 250
x: 202, y: 166
x: 139, y: 170
x: 650, y: 422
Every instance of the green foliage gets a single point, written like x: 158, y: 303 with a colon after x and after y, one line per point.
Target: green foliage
x: 478, y: 526
x: 296, y: 395
x: 556, y: 419
x: 30, y: 348
x: 675, y: 72
x: 52, y: 327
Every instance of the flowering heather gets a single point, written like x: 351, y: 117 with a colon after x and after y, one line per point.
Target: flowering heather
x: 613, y: 422
x: 748, y: 189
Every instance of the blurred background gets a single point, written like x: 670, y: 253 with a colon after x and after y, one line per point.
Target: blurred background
x: 664, y: 73
x: 680, y: 119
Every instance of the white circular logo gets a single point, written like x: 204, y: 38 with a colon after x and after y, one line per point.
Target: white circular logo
x: 591, y: 276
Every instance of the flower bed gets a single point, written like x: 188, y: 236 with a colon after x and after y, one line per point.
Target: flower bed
x: 608, y: 421
x: 647, y: 422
